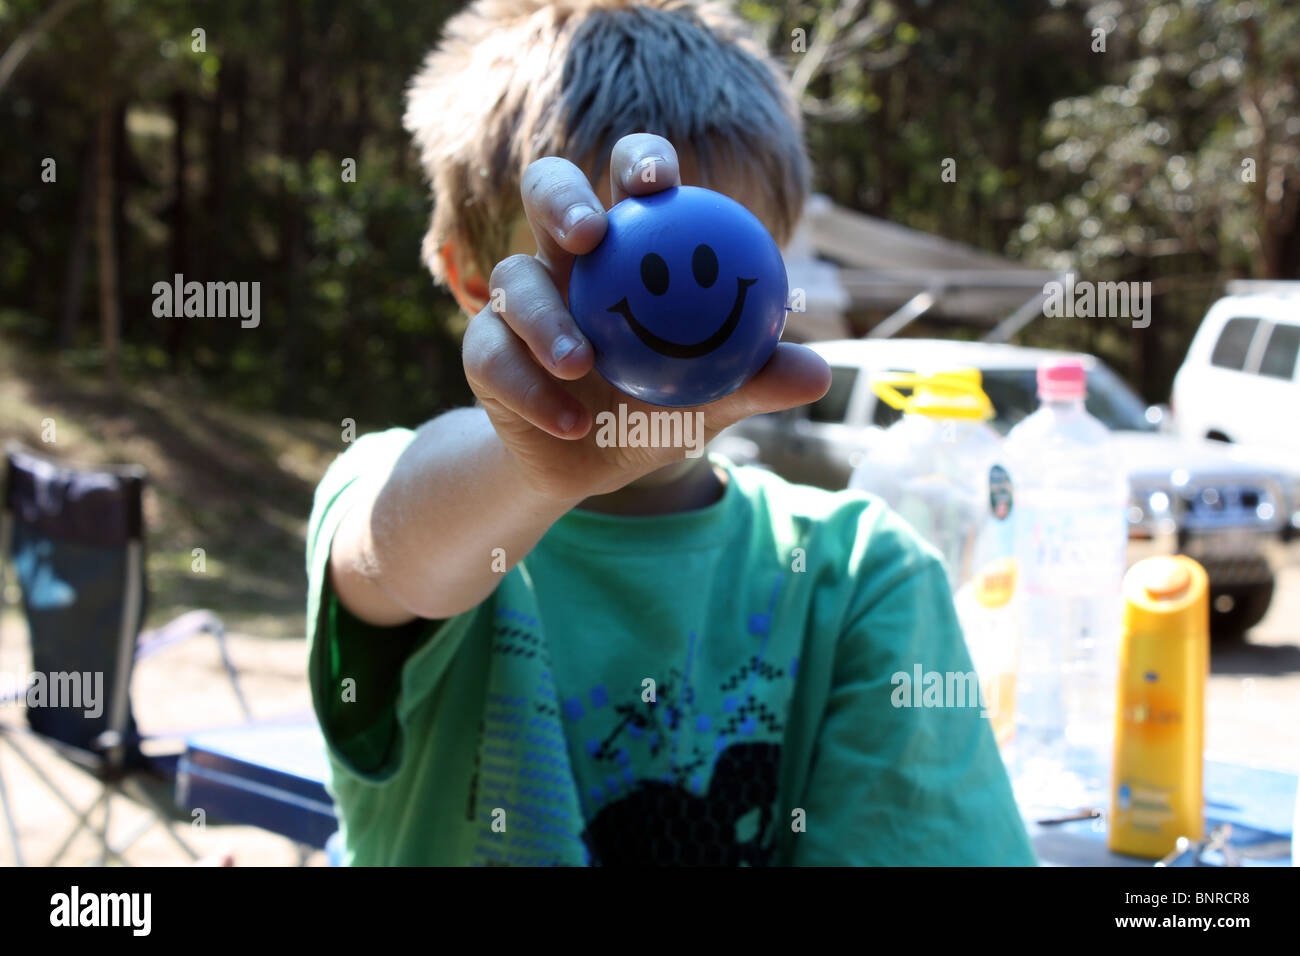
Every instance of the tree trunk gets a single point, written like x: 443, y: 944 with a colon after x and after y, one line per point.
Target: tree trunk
x: 74, y: 277
x: 1289, y: 245
x: 17, y: 51
x: 178, y: 258
x: 216, y: 161
x: 239, y: 92
x: 109, y: 317
x: 293, y: 149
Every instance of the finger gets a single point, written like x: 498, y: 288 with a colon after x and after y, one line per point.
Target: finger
x: 793, y: 376
x: 501, y: 371
x: 564, y: 213
x: 640, y: 164
x: 525, y: 298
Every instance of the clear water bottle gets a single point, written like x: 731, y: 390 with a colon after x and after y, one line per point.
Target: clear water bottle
x: 1071, y: 536
x: 941, y: 468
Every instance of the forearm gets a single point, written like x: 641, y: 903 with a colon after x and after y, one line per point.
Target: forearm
x: 422, y: 541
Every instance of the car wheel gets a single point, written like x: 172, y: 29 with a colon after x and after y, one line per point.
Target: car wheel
x: 1235, y: 610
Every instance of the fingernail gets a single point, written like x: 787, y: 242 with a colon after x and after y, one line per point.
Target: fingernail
x: 568, y: 420
x: 647, y: 168
x: 562, y: 347
x: 574, y: 216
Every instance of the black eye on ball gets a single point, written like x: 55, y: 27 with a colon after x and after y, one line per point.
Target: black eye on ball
x: 704, y: 263
x: 654, y: 273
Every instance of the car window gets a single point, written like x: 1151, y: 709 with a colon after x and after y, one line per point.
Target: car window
x: 1234, y: 343
x: 1014, y: 394
x: 833, y: 407
x: 1114, y: 404
x: 1280, y: 353
x: 884, y: 415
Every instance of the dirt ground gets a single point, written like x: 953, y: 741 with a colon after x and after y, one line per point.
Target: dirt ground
x: 1253, y: 706
x: 184, y: 687
x: 1253, y: 710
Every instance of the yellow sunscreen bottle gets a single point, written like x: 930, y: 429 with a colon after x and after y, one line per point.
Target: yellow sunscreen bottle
x: 1155, y: 794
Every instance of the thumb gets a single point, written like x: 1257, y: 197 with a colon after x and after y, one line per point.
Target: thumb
x: 793, y: 376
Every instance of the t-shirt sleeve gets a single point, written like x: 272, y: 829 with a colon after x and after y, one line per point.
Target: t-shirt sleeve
x: 354, y: 668
x: 899, y: 785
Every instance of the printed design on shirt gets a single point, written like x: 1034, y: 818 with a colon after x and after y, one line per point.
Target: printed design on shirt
x: 522, y: 779
x: 664, y: 824
x: 690, y: 779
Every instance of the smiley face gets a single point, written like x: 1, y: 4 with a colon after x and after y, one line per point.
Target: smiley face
x: 656, y: 277
x: 684, y: 299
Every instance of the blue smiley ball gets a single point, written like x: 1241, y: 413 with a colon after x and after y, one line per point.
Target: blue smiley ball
x: 684, y: 298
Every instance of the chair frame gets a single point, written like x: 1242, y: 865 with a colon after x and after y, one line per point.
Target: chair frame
x: 115, y: 778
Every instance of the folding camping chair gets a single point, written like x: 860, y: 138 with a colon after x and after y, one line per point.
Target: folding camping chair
x: 75, y: 539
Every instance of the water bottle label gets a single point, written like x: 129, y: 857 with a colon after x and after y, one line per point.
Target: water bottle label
x: 995, y: 584
x: 1000, y: 492
x: 1073, y: 552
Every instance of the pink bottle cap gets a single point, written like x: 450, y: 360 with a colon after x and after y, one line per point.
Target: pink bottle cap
x: 1062, y: 380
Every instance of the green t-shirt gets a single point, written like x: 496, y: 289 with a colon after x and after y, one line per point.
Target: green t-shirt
x: 718, y: 686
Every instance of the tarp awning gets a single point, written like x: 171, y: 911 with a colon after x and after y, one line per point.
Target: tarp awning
x: 876, y: 265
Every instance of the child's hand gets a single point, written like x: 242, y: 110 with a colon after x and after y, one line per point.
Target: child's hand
x: 532, y: 368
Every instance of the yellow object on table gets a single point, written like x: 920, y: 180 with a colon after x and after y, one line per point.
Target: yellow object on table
x: 1156, y: 778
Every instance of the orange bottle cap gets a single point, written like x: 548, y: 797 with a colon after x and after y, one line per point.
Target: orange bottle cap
x: 1165, y: 579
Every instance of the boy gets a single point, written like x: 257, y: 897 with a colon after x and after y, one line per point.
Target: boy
x: 528, y: 648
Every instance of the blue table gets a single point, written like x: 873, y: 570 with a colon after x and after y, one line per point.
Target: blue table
x: 269, y: 775
x: 1259, y: 804
x: 273, y: 776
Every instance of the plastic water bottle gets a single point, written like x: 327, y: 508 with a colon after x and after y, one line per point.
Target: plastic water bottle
x: 1071, y: 537
x: 941, y: 468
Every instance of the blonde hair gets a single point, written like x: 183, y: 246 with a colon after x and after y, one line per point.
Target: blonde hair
x: 516, y: 80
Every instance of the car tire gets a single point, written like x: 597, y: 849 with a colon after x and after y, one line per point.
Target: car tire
x: 1235, y: 610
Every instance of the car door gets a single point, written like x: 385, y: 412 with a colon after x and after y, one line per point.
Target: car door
x: 822, y: 439
x: 1229, y: 380
x: 1277, y: 387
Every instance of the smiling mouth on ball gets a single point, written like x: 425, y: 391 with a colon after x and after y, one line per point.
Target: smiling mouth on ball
x: 694, y: 349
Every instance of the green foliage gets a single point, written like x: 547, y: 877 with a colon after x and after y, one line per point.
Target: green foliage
x: 1183, y: 167
x: 891, y: 90
x: 1159, y: 162
x: 1122, y: 164
x: 227, y: 167
x: 260, y: 121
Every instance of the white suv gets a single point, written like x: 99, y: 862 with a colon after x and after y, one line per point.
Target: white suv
x: 1240, y: 381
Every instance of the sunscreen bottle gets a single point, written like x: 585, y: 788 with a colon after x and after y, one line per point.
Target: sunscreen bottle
x: 1160, y: 718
